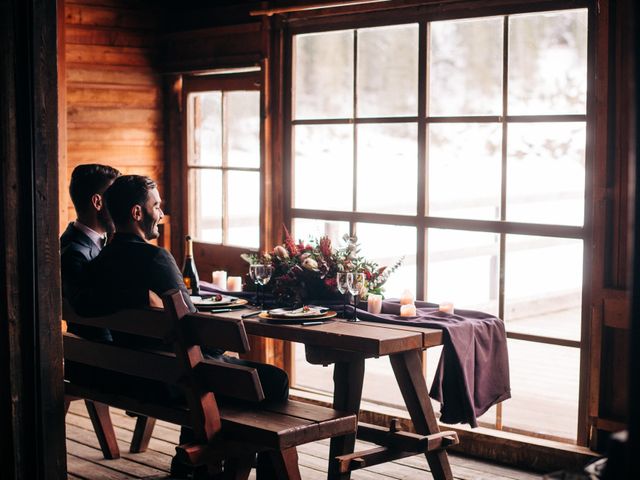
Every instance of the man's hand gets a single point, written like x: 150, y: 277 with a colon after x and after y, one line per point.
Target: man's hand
x: 154, y: 300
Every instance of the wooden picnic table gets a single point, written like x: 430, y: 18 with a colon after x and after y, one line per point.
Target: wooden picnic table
x: 346, y: 345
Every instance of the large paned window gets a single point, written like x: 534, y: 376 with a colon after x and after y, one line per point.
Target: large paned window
x: 460, y: 145
x: 223, y: 159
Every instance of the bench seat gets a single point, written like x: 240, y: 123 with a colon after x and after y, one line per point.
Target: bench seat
x: 224, y: 404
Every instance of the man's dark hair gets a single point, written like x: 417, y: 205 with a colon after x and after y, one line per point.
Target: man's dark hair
x: 124, y: 193
x: 87, y: 180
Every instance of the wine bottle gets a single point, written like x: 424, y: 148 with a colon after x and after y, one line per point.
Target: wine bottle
x: 189, y: 271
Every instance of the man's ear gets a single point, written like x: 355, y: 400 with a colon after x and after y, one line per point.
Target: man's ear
x: 136, y: 213
x: 96, y: 201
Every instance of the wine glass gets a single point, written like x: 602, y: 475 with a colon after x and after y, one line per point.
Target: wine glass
x: 341, y: 285
x: 260, y: 274
x: 355, y: 284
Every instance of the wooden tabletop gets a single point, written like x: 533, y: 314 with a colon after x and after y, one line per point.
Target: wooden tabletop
x: 369, y: 338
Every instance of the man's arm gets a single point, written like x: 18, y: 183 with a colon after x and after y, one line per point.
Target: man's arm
x: 166, y: 276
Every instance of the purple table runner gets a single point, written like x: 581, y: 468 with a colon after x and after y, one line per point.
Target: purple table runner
x: 473, y: 371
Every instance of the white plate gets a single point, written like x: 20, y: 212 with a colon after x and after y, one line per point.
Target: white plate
x: 298, y: 313
x: 212, y: 302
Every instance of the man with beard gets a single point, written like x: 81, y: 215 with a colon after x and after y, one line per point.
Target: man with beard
x: 130, y: 272
x: 129, y: 267
x: 84, y: 238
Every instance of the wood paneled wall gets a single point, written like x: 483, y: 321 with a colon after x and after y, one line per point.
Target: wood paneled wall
x: 113, y: 88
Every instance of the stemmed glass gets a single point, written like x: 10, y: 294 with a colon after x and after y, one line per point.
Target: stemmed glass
x: 355, y: 284
x: 260, y: 274
x: 341, y: 285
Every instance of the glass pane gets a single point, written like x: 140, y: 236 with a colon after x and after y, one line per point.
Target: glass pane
x: 323, y: 75
x: 548, y: 63
x: 242, y: 122
x: 205, y: 205
x: 380, y: 386
x: 463, y: 268
x: 305, y: 228
x: 387, y: 168
x: 315, y: 378
x: 323, y: 167
x: 388, y: 71
x: 465, y: 67
x: 543, y: 286
x: 546, y: 173
x: 244, y: 209
x: 544, y: 389
x: 386, y: 244
x: 206, y: 121
x: 464, y: 170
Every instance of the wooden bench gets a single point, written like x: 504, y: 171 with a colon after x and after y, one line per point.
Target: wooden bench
x: 227, y: 435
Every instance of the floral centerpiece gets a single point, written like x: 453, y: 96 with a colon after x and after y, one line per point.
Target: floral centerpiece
x: 305, y: 271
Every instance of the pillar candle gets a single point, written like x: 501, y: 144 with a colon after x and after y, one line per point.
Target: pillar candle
x: 406, y: 298
x: 374, y: 303
x: 234, y: 284
x: 408, y: 310
x: 446, y: 307
x: 219, y: 279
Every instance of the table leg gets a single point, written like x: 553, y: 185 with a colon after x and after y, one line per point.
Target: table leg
x: 407, y: 367
x: 347, y: 393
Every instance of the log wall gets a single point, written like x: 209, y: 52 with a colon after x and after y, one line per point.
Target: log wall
x: 113, y: 89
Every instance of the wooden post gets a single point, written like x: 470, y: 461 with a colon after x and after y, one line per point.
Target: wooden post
x: 32, y: 444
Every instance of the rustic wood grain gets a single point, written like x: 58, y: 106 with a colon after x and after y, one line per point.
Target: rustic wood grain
x: 113, y: 93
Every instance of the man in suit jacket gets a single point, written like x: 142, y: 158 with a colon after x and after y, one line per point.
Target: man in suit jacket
x: 129, y: 266
x: 84, y: 238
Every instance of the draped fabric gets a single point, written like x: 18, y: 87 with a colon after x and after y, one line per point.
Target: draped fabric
x: 473, y: 371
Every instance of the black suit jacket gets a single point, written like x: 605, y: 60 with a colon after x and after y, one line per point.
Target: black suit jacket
x: 127, y: 268
x: 76, y: 251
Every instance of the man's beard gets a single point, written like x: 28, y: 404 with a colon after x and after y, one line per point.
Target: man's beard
x: 149, y: 226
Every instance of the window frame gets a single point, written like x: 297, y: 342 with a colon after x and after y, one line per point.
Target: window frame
x: 421, y: 220
x: 212, y: 256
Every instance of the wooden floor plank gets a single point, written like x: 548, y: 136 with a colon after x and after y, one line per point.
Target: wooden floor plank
x: 87, y: 470
x: 86, y: 462
x: 122, y: 464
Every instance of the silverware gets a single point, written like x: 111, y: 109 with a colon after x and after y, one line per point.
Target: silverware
x: 219, y: 310
x: 309, y: 324
x: 252, y: 314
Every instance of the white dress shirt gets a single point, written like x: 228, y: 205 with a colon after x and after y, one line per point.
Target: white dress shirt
x: 92, y: 234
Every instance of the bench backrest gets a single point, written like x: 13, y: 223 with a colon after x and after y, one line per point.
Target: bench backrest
x: 180, y: 363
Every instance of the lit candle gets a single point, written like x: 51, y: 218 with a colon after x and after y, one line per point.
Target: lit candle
x: 374, y: 303
x: 219, y: 279
x: 234, y: 284
x: 406, y: 298
x: 408, y: 310
x: 446, y: 307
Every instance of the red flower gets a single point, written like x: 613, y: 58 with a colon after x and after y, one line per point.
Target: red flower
x: 325, y: 247
x: 367, y: 274
x: 330, y: 282
x: 289, y: 243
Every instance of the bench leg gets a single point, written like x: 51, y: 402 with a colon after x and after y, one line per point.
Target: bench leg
x: 101, y: 420
x: 238, y: 468
x: 407, y: 367
x: 278, y: 464
x: 142, y: 434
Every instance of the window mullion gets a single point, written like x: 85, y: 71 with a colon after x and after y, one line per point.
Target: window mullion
x: 503, y: 179
x: 423, y: 158
x: 224, y: 162
x: 352, y: 226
